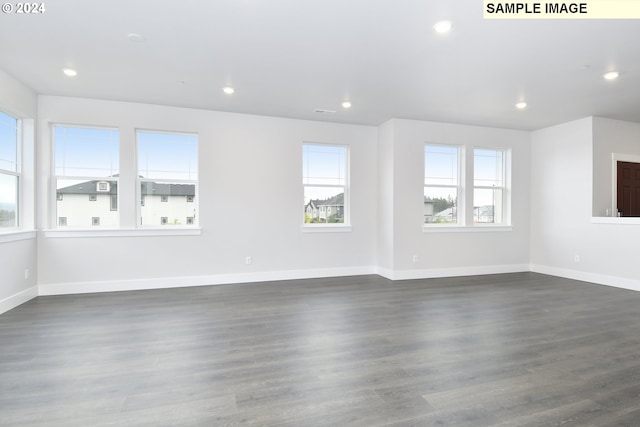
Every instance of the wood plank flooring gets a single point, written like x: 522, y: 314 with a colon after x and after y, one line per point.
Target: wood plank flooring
x: 500, y: 350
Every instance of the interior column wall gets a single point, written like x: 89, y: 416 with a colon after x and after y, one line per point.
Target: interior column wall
x: 452, y: 252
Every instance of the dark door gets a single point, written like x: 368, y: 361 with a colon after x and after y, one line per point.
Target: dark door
x: 629, y: 189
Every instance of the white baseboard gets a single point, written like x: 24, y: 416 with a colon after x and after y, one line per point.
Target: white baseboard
x: 384, y: 272
x: 432, y: 273
x: 181, y: 282
x: 600, y: 279
x: 15, y: 300
x: 269, y: 276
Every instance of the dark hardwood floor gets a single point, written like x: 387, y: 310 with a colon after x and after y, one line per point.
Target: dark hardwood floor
x: 500, y: 350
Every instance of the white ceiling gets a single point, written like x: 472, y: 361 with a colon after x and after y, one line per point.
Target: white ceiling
x: 289, y: 57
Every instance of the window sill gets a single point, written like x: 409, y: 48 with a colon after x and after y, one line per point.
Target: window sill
x: 131, y: 232
x: 326, y: 228
x: 465, y: 229
x: 615, y: 220
x: 17, y: 235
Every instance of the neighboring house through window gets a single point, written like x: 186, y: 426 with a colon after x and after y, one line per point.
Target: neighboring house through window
x: 86, y: 176
x: 167, y: 177
x: 325, y: 182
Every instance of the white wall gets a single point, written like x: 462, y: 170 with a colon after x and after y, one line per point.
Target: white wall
x: 385, y: 199
x: 451, y: 253
x: 561, y: 200
x: 251, y: 195
x: 610, y: 136
x: 18, y: 255
x: 250, y: 202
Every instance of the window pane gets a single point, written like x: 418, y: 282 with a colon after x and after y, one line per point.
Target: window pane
x: 8, y: 201
x: 86, y: 152
x: 166, y: 200
x: 440, y: 165
x: 324, y: 164
x: 167, y: 156
x: 81, y: 202
x: 8, y: 143
x: 488, y: 168
x: 440, y: 205
x: 487, y: 205
x: 323, y: 205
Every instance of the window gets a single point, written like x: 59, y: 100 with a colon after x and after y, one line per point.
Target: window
x: 448, y: 197
x: 489, y: 190
x: 9, y: 171
x: 86, y: 175
x: 441, y: 184
x: 167, y: 166
x: 325, y: 182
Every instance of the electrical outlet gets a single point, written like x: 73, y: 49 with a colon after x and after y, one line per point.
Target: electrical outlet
x: 248, y: 260
x: 415, y: 258
x: 27, y: 273
x: 576, y: 258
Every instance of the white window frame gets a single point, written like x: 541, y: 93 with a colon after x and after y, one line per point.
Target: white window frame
x: 460, y: 188
x: 330, y: 227
x: 18, y: 175
x: 506, y: 186
x: 53, y: 220
x: 466, y: 194
x: 129, y: 225
x: 139, y: 196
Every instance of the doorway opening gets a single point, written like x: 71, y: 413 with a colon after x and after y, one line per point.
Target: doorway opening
x: 628, y: 189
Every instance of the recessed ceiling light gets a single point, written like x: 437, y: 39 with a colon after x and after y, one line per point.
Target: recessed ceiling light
x: 521, y: 105
x: 228, y: 90
x: 135, y: 37
x: 443, y: 27
x: 70, y: 72
x: 346, y: 104
x: 611, y: 75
